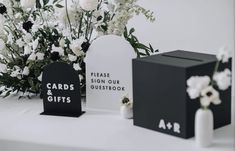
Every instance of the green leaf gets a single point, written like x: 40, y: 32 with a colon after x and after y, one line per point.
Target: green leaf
x: 125, y: 33
x: 38, y: 4
x: 45, y: 2
x: 132, y: 31
x: 7, y: 94
x: 59, y: 6
x: 55, y: 1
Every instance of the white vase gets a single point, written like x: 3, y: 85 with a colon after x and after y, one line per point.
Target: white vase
x: 204, y: 127
x: 126, y: 112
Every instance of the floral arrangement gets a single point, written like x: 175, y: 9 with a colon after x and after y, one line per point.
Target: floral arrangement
x: 204, y: 87
x: 34, y: 33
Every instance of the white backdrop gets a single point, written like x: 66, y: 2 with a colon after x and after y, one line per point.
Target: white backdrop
x: 195, y: 25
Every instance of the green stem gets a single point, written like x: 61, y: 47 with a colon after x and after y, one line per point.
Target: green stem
x: 90, y: 35
x: 43, y: 20
x: 13, y: 25
x: 214, y: 72
x: 14, y: 52
x: 80, y: 26
x: 89, y: 27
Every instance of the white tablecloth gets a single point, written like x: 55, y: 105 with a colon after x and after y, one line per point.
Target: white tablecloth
x: 23, y: 129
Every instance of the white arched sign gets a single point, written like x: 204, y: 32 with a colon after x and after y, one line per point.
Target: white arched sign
x: 108, y: 72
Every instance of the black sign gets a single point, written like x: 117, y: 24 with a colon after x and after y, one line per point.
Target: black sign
x: 61, y: 90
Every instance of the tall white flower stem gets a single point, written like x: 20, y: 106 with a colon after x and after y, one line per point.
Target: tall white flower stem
x: 67, y: 13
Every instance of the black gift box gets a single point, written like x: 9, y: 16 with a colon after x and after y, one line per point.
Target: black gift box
x: 161, y: 102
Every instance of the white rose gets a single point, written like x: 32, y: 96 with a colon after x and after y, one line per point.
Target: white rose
x: 2, y: 45
x: 62, y: 42
x: 223, y: 79
x: 18, y: 15
x: 196, y: 84
x: 28, y: 3
x: 35, y: 27
x: 76, y: 66
x: 27, y: 37
x: 2, y: 20
x: 10, y: 39
x: 89, y: 5
x: 3, y: 68
x: 224, y: 54
x: 58, y: 49
x: 72, y: 57
x: 20, y: 43
x: 40, y: 56
x: 27, y: 50
x: 76, y: 47
x: 25, y: 71
x: 35, y: 44
x: 32, y: 57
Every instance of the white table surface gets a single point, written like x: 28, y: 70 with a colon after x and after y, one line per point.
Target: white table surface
x: 23, y: 129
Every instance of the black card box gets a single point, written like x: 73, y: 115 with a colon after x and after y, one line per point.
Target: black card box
x: 161, y: 102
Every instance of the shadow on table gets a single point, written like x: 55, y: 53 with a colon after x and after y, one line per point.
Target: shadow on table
x: 6, y: 145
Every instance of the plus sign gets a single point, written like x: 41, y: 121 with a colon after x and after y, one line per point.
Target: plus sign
x: 169, y: 125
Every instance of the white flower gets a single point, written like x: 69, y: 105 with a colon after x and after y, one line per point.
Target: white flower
x: 35, y: 27
x: 40, y: 77
x: 10, y: 38
x: 81, y: 77
x: 35, y: 44
x: 3, y: 68
x: 76, y: 47
x: 20, y: 43
x: 72, y: 57
x: 224, y: 54
x: 58, y: 49
x: 2, y: 45
x: 89, y: 5
x: 40, y: 56
x: 25, y: 71
x: 16, y: 72
x: 62, y: 42
x: 18, y: 15
x: 27, y: 38
x: 223, y: 79
x: 32, y: 57
x: 98, y: 17
x: 196, y: 84
x: 209, y: 95
x: 28, y: 3
x: 76, y: 66
x: 27, y: 50
x: 2, y: 21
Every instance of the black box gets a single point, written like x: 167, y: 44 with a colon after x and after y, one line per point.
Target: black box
x: 160, y: 97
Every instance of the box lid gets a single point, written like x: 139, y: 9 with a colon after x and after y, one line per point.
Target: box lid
x: 179, y: 58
